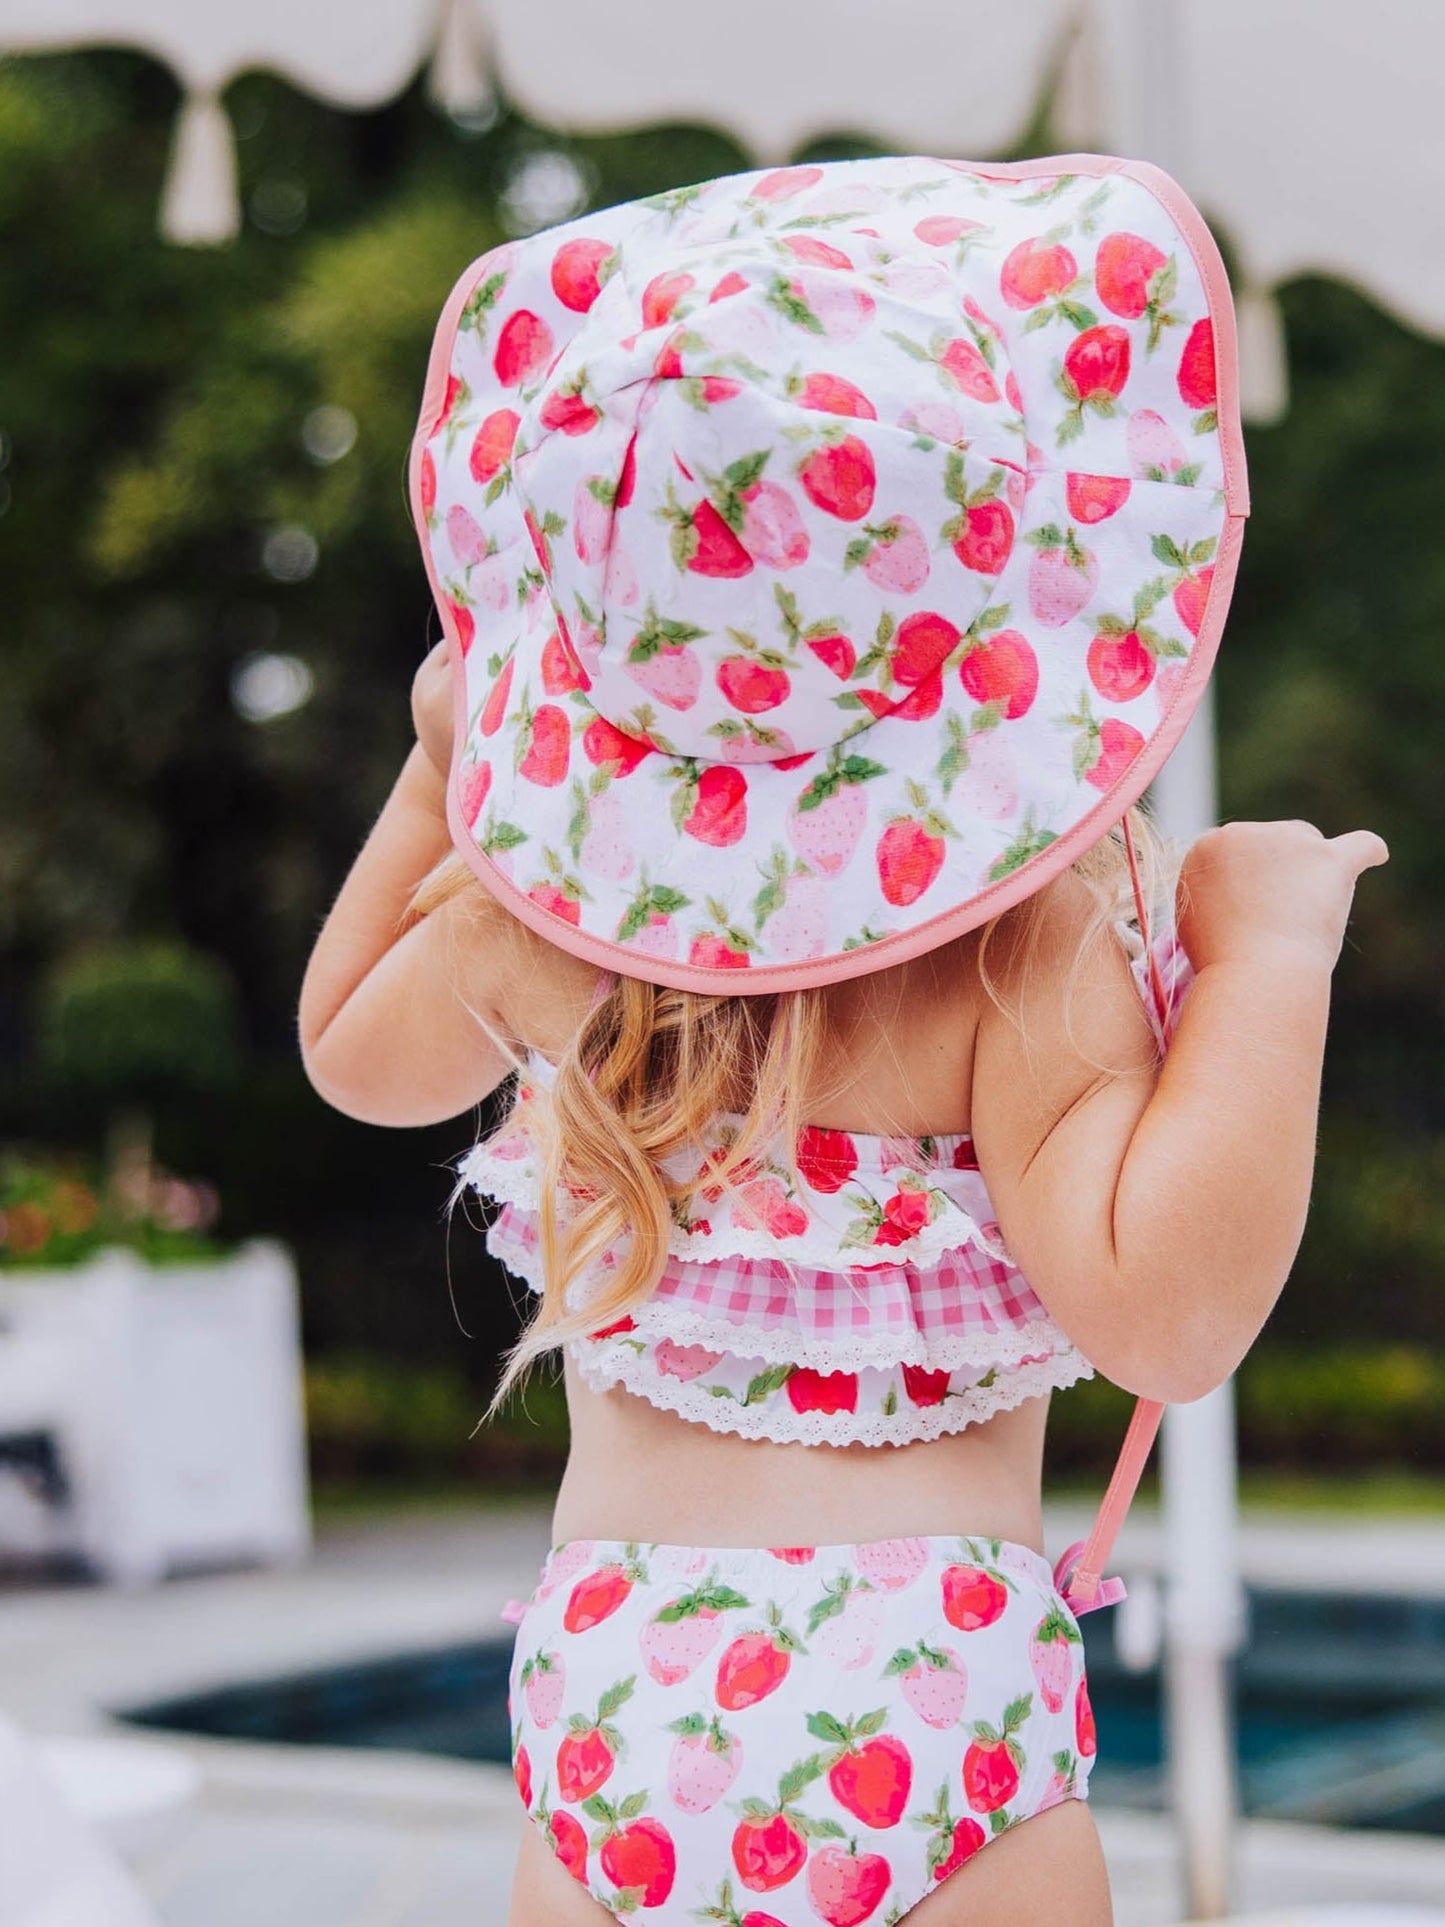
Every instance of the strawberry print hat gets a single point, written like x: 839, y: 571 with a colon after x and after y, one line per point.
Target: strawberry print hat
x: 829, y: 555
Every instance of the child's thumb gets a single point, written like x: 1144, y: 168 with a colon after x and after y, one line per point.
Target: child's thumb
x: 1361, y: 849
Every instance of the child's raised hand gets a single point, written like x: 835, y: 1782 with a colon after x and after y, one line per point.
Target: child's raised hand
x: 1247, y: 885
x: 431, y: 706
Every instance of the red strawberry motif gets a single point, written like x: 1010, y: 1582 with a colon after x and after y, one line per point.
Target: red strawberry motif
x: 661, y: 296
x: 1123, y: 269
x: 870, y: 1772
x: 923, y: 644
x: 794, y: 1555
x: 560, y: 668
x: 465, y: 624
x: 840, y: 478
x: 726, y: 1914
x: 568, y: 410
x: 1034, y: 271
x: 549, y: 742
x: 730, y: 284
x: 1198, y: 383
x: 925, y: 1387
x: 1118, y: 743
x: 639, y: 1859
x: 524, y: 347
x: 835, y: 652
x: 1002, y: 668
x: 719, y: 806
x: 1119, y: 666
x: 589, y: 1748
x: 834, y: 395
x: 493, y: 443
x: 942, y: 230
x: 1093, y: 498
x: 495, y: 707
x: 910, y: 853
x: 604, y: 743
x: 753, y: 684
x: 818, y: 254
x: 813, y: 1391
x: 973, y: 1597
x: 428, y: 482
x: 558, y: 902
x: 982, y: 533
x: 826, y: 1159
x: 953, y: 1841
x: 579, y: 269
x: 995, y: 1759
x: 1094, y: 370
x: 598, y: 1595
x: 755, y: 1664
x: 522, y: 1774
x: 1085, y: 1735
x: 474, y: 786
x: 1191, y: 598
x: 768, y: 1852
x: 569, y: 1843
x: 713, y: 952
x: 846, y: 1887
x: 456, y: 387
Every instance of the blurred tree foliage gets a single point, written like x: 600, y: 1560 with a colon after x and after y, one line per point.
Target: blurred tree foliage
x: 165, y: 466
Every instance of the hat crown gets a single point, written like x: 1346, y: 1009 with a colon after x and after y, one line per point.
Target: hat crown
x: 726, y: 435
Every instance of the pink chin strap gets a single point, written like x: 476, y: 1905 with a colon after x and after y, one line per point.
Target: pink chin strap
x: 1078, y: 1572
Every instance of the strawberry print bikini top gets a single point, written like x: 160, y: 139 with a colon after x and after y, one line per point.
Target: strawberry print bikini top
x: 872, y: 1300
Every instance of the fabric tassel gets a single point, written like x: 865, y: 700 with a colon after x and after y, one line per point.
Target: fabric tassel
x: 200, y: 205
x: 459, y: 82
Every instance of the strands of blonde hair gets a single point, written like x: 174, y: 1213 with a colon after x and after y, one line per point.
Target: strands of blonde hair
x: 650, y: 1071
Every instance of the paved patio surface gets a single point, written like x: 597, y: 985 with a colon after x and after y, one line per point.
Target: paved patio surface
x: 320, y: 1837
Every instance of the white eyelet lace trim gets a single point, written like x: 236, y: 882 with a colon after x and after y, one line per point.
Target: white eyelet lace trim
x: 777, y: 1422
x: 514, y: 1181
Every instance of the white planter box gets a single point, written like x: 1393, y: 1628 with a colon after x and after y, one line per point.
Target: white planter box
x: 175, y: 1396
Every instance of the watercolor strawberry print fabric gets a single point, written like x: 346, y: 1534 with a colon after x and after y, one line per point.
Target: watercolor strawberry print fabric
x: 829, y: 554
x: 796, y: 1735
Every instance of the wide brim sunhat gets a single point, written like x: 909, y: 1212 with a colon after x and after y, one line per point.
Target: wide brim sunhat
x: 829, y: 555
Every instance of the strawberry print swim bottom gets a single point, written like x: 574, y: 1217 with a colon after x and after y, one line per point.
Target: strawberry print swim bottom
x: 810, y: 1733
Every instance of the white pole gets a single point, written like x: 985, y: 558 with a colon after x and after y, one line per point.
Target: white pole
x: 1204, y: 1599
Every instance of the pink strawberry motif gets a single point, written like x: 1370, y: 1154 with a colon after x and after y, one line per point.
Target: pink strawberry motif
x: 1034, y: 271
x: 564, y: 1563
x: 1085, y: 1736
x: 465, y: 536
x: 705, y: 1761
x: 952, y: 1841
x: 813, y: 1391
x: 660, y: 658
x: 974, y: 1596
x: 524, y: 348
x: 784, y: 182
x: 840, y: 478
x: 638, y: 1855
x: 1095, y: 369
x: 923, y: 1387
x: 1191, y: 598
x: 962, y: 365
x: 1002, y: 668
x: 492, y: 444
x: 679, y: 1636
x: 936, y: 422
x: 589, y: 1748
x: 1062, y: 576
x: 893, y: 1564
x: 473, y: 785
x: 942, y: 230
x: 934, y: 1682
x: 606, y: 847
x: 893, y: 555
x: 1051, y: 1655
x: 772, y: 529
x: 845, y: 1624
x: 561, y: 671
x: 716, y: 805
x: 1062, y: 1781
x: 827, y: 1160
x: 549, y: 742
x: 826, y: 821
x: 608, y: 747
x: 870, y: 1772
x: 793, y: 903
x: 1197, y: 380
x: 579, y: 270
x: 1155, y: 450
x: 989, y: 787
x: 492, y: 583
x: 1094, y: 498
x: 833, y: 395
x: 592, y: 507
x: 766, y: 1202
x: 544, y: 1681
x: 755, y: 1664
x: 995, y: 1759
x: 685, y: 1362
x: 846, y: 1887
x: 821, y: 304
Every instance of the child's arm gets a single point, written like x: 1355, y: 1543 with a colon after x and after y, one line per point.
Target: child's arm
x: 384, y: 1033
x: 1157, y: 1209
